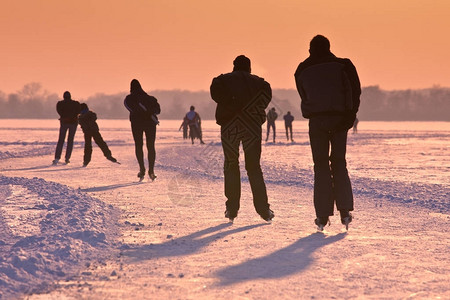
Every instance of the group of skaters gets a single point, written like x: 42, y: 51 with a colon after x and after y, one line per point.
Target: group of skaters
x: 329, y: 89
x: 192, y: 128
x: 143, y: 110
x: 193, y: 124
x: 271, y: 116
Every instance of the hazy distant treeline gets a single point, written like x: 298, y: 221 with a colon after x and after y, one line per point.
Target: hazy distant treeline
x: 432, y: 104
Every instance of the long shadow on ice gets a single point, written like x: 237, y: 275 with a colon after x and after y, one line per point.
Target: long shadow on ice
x: 109, y: 187
x: 185, y: 245
x: 287, y: 261
x: 30, y: 168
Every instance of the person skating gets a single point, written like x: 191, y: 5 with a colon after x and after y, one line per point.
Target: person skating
x: 271, y: 117
x: 241, y: 99
x: 329, y: 88
x: 185, y: 126
x: 143, y: 109
x: 195, y: 125
x: 68, y: 111
x: 288, y: 119
x: 87, y: 120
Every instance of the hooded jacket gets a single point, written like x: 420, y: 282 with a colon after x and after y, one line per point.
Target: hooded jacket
x: 328, y: 85
x: 142, y: 107
x: 240, y: 93
x: 88, y: 122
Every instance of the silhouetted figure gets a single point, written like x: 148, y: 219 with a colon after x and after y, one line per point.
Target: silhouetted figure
x: 195, y: 125
x: 288, y: 119
x: 330, y: 89
x: 271, y: 117
x: 87, y: 120
x: 185, y: 126
x: 143, y: 110
x: 241, y: 102
x: 355, y: 125
x: 68, y: 111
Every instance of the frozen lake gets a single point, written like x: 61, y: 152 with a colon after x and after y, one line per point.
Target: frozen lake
x: 403, y: 161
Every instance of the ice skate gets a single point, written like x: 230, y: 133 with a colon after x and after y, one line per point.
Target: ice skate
x: 230, y: 215
x: 268, y: 216
x: 346, y: 218
x: 141, y: 175
x: 110, y: 158
x: 321, y: 222
x: 152, y: 176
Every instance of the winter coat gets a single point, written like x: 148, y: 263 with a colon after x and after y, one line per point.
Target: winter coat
x: 68, y: 111
x: 240, y: 93
x: 143, y: 108
x: 271, y: 116
x: 288, y: 119
x: 328, y: 85
x: 88, y: 122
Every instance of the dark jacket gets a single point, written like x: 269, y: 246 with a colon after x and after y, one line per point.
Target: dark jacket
x: 88, y: 122
x: 271, y: 116
x: 328, y: 85
x: 288, y: 119
x: 240, y: 93
x: 142, y: 107
x: 68, y: 111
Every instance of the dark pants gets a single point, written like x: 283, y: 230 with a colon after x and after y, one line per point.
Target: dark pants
x: 288, y: 130
x: 331, y: 181
x: 195, y: 132
x: 88, y: 145
x: 251, y: 142
x: 72, y: 128
x: 271, y: 124
x: 138, y: 129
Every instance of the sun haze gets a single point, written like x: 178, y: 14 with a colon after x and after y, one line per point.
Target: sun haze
x: 99, y: 46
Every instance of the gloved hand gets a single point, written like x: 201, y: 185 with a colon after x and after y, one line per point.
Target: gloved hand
x: 348, y: 121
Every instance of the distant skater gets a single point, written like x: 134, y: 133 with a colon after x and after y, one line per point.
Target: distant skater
x: 143, y: 110
x: 288, y: 119
x: 271, y: 117
x: 185, y: 126
x: 195, y: 125
x: 355, y: 125
x: 329, y: 88
x: 241, y: 99
x: 87, y: 120
x: 68, y: 111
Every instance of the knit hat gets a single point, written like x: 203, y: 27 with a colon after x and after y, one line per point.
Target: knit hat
x: 241, y: 63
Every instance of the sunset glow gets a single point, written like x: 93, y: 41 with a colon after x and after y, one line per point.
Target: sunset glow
x: 99, y: 46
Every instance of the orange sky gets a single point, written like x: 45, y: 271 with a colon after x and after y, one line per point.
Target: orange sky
x: 100, y: 45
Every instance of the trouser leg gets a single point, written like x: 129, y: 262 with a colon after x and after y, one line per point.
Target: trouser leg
x: 138, y: 136
x: 342, y: 189
x: 232, y: 177
x: 150, y: 135
x: 87, y: 149
x: 274, y: 132
x: 323, y: 193
x: 62, y: 136
x: 252, y: 152
x: 98, y: 139
x: 70, y: 138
